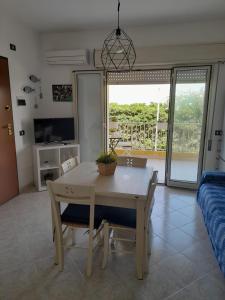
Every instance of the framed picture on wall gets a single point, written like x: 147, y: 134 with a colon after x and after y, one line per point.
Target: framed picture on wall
x: 62, y: 92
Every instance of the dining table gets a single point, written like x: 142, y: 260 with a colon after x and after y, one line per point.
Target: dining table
x: 127, y: 188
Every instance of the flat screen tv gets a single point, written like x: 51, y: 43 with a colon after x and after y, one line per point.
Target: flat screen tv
x: 54, y: 130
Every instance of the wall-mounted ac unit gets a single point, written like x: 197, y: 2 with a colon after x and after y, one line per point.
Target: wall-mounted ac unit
x: 68, y: 57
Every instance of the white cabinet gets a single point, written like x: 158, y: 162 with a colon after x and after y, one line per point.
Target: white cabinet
x: 47, y: 160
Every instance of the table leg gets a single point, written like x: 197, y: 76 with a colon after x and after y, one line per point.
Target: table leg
x: 140, y: 238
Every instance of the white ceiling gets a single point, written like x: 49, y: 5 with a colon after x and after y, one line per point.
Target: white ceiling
x: 53, y: 15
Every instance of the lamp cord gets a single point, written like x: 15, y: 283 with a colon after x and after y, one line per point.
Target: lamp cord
x: 118, y: 12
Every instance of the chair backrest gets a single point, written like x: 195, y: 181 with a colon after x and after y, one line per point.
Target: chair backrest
x: 74, y: 194
x: 150, y: 198
x: 131, y: 161
x: 69, y: 164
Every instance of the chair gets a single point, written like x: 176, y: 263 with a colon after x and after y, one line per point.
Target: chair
x: 125, y: 219
x: 80, y: 212
x: 130, y: 161
x: 69, y: 164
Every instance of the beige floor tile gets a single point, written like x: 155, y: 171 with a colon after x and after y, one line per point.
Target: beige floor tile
x: 208, y: 287
x: 196, y: 229
x: 178, y: 239
x: 177, y: 219
x: 160, y: 226
x: 160, y: 250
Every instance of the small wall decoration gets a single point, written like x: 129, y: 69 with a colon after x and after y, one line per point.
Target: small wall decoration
x: 62, y: 92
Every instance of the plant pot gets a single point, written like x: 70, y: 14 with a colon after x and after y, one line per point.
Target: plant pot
x: 107, y: 169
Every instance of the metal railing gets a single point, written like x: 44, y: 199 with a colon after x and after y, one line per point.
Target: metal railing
x: 153, y: 136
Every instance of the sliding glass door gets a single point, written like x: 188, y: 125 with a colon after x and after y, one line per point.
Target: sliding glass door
x: 188, y: 110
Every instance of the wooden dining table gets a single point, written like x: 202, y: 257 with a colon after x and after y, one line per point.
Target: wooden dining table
x: 127, y: 188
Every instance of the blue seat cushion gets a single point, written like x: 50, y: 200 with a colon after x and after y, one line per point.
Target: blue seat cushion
x: 76, y: 213
x: 120, y: 216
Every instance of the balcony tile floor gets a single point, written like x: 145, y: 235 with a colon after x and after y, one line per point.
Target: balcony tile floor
x: 182, y: 264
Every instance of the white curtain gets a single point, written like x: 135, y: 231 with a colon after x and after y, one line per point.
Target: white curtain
x: 89, y: 116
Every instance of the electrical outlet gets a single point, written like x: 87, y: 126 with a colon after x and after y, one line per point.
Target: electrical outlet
x: 12, y: 47
x: 218, y: 132
x: 21, y: 102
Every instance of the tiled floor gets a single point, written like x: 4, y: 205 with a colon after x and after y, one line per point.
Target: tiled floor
x: 182, y: 265
x: 177, y: 167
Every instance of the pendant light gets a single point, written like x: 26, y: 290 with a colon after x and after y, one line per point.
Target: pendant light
x: 118, y: 50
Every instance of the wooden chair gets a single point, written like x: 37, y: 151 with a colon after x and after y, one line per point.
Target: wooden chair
x: 69, y: 164
x: 131, y: 161
x: 125, y: 219
x: 80, y: 212
x: 66, y: 166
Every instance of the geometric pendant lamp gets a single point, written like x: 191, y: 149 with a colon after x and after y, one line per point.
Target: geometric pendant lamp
x: 118, y: 50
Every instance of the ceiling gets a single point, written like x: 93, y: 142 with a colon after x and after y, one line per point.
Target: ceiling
x: 62, y: 15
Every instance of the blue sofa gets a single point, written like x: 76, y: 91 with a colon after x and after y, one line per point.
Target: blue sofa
x: 211, y: 199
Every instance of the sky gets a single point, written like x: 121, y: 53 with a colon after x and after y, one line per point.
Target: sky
x: 139, y: 93
x: 147, y: 93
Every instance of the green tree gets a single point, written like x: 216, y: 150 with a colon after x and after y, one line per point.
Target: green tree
x: 187, y: 121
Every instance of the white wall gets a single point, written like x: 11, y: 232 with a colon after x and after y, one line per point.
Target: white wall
x: 22, y: 63
x: 54, y: 75
x: 222, y: 153
x: 171, y: 34
x: 221, y: 140
x: 215, y: 116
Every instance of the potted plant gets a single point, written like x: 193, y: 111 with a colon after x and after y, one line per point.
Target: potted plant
x: 106, y: 164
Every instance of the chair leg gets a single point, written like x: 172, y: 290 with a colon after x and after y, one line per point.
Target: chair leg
x: 149, y: 239
x: 106, y: 245
x: 90, y: 254
x: 146, y: 248
x: 72, y: 233
x: 112, y: 235
x: 60, y: 250
x: 99, y: 238
x: 148, y: 245
x: 56, y: 249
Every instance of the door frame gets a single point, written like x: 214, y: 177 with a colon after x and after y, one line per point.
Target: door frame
x: 176, y: 183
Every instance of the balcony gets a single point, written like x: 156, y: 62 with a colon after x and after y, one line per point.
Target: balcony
x: 150, y: 140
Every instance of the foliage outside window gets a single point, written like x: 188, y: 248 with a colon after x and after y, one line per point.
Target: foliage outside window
x: 137, y: 123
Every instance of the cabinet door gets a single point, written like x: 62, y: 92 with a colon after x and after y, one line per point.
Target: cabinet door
x: 90, y: 113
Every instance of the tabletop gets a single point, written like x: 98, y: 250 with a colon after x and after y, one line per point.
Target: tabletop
x: 126, y: 182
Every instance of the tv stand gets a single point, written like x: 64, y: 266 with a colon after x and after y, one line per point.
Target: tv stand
x: 47, y: 160
x: 56, y: 143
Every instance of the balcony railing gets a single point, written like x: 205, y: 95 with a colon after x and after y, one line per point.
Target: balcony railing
x: 148, y: 136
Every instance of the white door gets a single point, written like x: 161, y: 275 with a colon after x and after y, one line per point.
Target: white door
x: 187, y: 122
x: 89, y: 113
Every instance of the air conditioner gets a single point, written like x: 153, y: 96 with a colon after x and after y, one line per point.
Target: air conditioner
x: 68, y: 57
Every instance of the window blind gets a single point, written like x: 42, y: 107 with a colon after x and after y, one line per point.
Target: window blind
x: 139, y: 77
x: 191, y: 76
